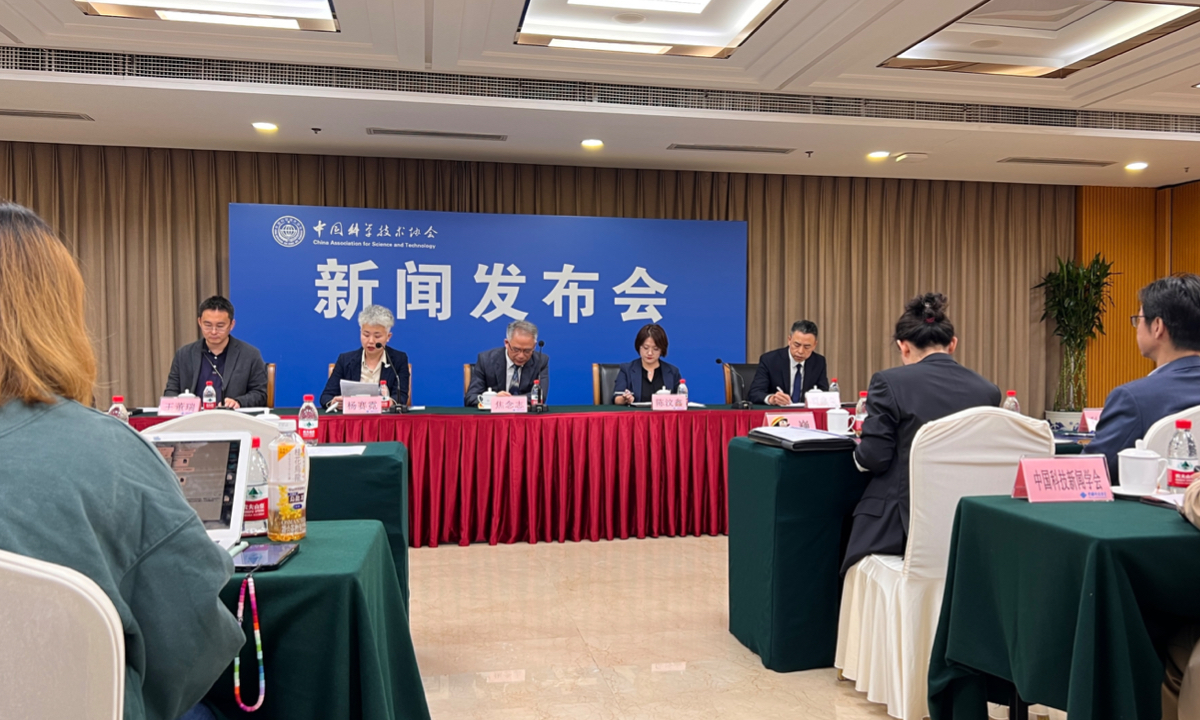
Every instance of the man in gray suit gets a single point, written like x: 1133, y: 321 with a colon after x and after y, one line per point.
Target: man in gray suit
x: 236, y: 369
x: 511, y: 370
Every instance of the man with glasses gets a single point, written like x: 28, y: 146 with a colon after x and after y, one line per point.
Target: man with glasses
x: 1168, y: 332
x: 510, y: 370
x: 235, y: 368
x: 784, y: 375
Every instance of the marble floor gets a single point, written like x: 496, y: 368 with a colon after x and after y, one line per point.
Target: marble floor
x: 624, y: 630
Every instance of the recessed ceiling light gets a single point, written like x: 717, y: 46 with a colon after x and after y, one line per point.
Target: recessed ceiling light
x: 610, y: 46
x: 1137, y: 166
x: 278, y: 14
x: 592, y: 144
x: 265, y: 126
x: 879, y: 155
x: 245, y: 20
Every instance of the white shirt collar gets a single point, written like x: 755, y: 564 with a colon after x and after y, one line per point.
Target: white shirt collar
x: 794, y: 363
x: 385, y: 358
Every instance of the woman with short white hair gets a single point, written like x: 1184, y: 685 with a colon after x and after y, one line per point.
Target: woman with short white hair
x: 373, y: 363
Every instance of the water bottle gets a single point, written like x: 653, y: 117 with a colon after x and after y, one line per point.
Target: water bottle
x: 1010, y: 402
x: 287, y: 485
x: 309, y: 420
x: 383, y: 392
x: 535, y: 395
x: 118, y: 409
x: 833, y: 387
x: 682, y: 388
x: 209, y: 398
x: 254, y: 517
x: 860, y: 412
x: 1181, y: 458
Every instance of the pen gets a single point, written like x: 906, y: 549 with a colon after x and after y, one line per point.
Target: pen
x: 233, y: 551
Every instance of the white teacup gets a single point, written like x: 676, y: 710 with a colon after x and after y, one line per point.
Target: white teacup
x: 485, y: 398
x: 1142, y: 471
x: 839, y: 421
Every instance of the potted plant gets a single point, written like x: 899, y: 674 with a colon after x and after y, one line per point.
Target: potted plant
x: 1077, y: 295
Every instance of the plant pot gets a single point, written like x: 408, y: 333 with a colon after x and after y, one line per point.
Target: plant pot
x: 1064, y: 421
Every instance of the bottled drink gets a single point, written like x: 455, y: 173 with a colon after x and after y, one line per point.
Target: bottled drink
x: 682, y: 388
x: 833, y: 386
x: 860, y: 412
x: 1011, y: 403
x: 118, y: 409
x: 209, y: 399
x: 535, y: 395
x: 254, y: 518
x: 287, y: 485
x: 383, y: 392
x: 1181, y: 457
x: 309, y: 421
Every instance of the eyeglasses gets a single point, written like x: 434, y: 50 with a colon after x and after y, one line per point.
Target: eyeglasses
x: 1133, y: 319
x: 520, y: 351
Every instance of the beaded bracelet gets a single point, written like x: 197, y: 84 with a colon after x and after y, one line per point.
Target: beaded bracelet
x: 237, y: 659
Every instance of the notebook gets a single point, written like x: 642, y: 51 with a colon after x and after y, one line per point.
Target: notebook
x: 212, y: 468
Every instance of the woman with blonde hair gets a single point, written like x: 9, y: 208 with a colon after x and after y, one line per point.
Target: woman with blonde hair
x: 83, y: 490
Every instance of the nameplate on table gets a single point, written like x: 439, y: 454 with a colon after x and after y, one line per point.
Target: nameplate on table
x: 667, y: 401
x: 795, y: 419
x: 362, y: 405
x: 1090, y: 419
x: 826, y: 400
x: 1082, y: 478
x: 176, y: 406
x: 510, y: 404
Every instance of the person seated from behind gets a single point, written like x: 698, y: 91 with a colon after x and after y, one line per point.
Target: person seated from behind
x: 641, y: 378
x: 1168, y: 332
x: 373, y: 363
x: 511, y: 370
x: 784, y: 375
x: 83, y: 490
x: 235, y: 368
x: 928, y: 386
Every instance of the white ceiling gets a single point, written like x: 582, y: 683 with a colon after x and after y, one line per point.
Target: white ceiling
x: 823, y: 47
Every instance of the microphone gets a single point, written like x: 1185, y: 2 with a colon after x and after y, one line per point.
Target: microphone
x: 378, y: 345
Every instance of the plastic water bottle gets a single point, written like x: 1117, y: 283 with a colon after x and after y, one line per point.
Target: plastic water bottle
x: 287, y: 485
x: 209, y: 398
x: 535, y: 395
x: 309, y: 420
x: 682, y: 388
x: 118, y: 409
x: 833, y: 387
x: 383, y: 392
x: 860, y: 412
x: 1011, y: 403
x: 1181, y: 458
x: 254, y: 518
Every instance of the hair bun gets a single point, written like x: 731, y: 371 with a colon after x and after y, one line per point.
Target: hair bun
x: 931, y: 307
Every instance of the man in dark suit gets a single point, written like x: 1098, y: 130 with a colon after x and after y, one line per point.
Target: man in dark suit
x: 236, y: 369
x: 511, y: 370
x: 784, y: 375
x: 1168, y: 332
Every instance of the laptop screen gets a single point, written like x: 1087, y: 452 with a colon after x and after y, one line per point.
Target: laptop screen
x: 207, y: 472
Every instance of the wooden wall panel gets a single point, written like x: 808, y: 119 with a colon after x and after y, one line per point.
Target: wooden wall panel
x: 1185, y: 228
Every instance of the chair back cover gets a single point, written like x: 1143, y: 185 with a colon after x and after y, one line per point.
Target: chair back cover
x: 1158, y: 437
x: 219, y: 420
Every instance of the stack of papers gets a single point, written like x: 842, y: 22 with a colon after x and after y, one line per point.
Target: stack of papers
x: 1167, y: 500
x: 799, y: 439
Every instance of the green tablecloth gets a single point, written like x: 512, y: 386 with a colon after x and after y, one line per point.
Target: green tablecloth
x: 373, y: 485
x: 1072, y: 602
x: 336, y: 640
x: 789, y: 513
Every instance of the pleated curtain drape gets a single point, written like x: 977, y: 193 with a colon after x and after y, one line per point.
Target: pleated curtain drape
x: 150, y: 230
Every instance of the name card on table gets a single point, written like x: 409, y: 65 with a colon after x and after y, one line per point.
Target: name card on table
x: 510, y: 404
x: 176, y: 406
x: 1082, y: 478
x: 1091, y: 418
x: 818, y: 399
x: 362, y: 405
x: 796, y: 420
x: 665, y: 401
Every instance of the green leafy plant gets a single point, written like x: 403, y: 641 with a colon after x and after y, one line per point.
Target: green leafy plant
x: 1077, y: 295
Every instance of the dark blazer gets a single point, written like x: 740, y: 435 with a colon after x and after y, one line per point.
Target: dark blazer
x: 630, y: 378
x: 1132, y: 408
x: 244, y: 379
x: 491, y: 371
x: 899, y: 401
x: 349, y: 367
x: 775, y: 371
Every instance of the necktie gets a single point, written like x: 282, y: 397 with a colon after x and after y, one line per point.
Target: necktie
x: 798, y: 385
x: 515, y: 387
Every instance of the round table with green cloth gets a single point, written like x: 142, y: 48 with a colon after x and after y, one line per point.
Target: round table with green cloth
x: 1071, y: 602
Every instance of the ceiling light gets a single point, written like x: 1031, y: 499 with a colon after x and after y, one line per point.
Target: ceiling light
x: 265, y: 126
x: 879, y: 155
x: 592, y: 144
x: 1137, y: 166
x: 610, y: 46
x: 277, y: 23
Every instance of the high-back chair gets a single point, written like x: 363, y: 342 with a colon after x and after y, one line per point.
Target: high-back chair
x: 468, y: 368
x: 890, y: 604
x: 271, y: 385
x: 1158, y: 437
x: 218, y: 420
x: 604, y: 383
x: 58, y: 632
x: 738, y: 377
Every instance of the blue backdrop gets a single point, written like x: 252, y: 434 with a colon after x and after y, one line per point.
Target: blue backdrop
x: 300, y: 275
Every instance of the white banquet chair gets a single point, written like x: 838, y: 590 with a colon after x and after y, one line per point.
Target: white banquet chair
x: 220, y: 421
x: 1158, y: 437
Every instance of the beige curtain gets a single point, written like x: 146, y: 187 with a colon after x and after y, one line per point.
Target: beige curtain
x: 150, y: 230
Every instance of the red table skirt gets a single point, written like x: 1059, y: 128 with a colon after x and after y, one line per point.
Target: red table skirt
x: 559, y: 476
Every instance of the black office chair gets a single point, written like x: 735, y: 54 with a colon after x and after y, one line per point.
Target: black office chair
x: 604, y: 383
x: 738, y: 377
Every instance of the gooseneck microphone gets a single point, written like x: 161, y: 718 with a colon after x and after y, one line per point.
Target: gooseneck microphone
x: 378, y: 345
x: 541, y: 406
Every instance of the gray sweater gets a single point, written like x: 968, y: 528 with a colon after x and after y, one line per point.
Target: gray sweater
x: 81, y: 489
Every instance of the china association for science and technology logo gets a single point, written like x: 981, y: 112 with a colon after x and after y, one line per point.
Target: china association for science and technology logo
x: 288, y: 231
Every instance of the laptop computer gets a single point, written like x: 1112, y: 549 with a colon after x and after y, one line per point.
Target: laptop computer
x: 212, y: 468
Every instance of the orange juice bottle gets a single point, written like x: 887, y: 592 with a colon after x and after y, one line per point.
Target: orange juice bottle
x: 287, y: 485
